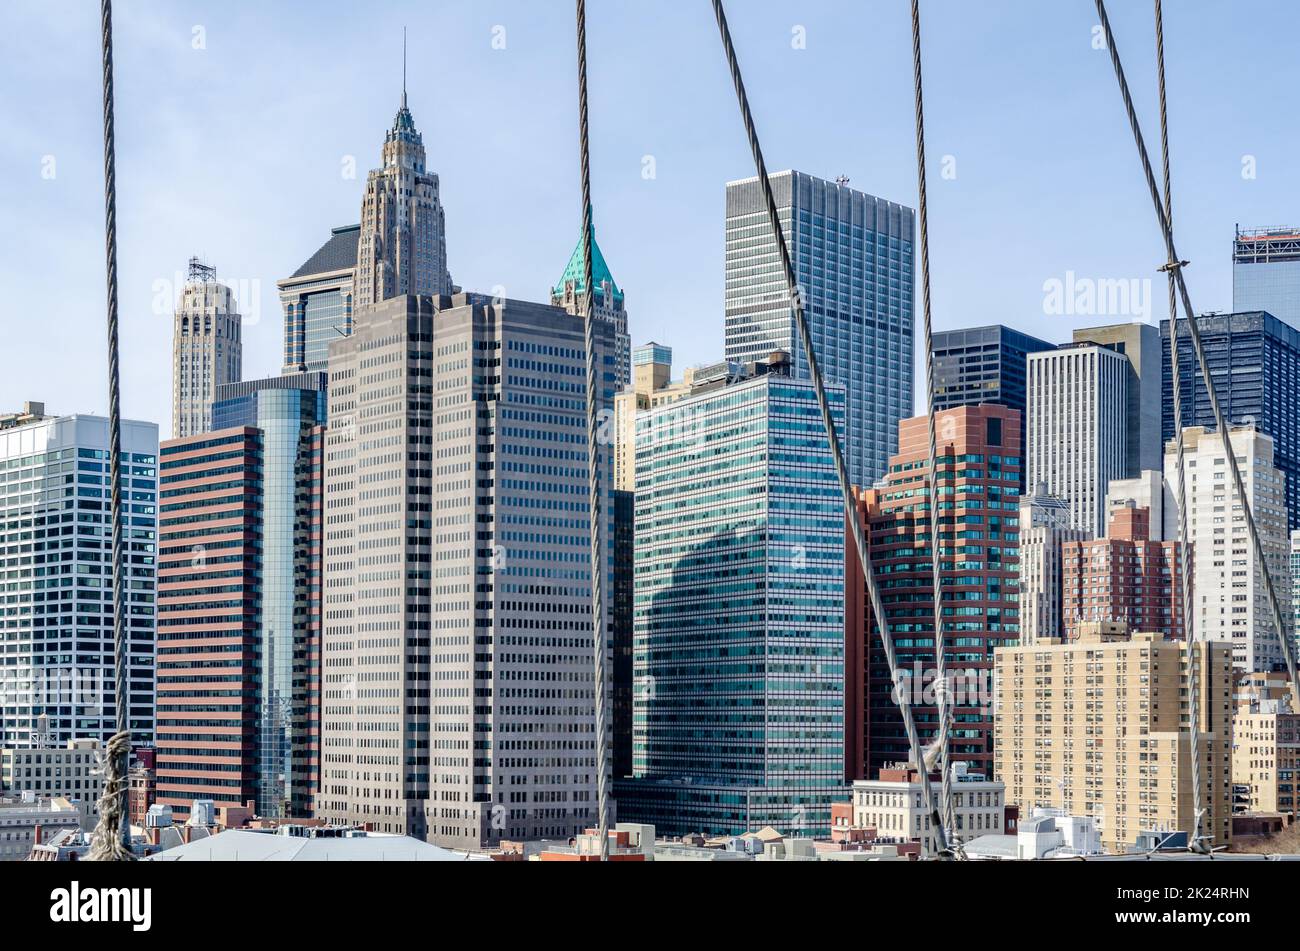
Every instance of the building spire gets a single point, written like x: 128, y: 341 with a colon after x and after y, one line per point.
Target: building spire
x: 403, y: 67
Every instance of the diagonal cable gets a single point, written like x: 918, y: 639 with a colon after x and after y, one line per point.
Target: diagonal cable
x: 903, y: 692
x: 1252, y: 529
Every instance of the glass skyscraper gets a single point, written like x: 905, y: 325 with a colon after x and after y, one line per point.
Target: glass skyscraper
x: 1254, y: 360
x: 288, y: 411
x: 738, y: 701
x: 852, y: 256
x: 55, y: 557
x: 1266, y: 272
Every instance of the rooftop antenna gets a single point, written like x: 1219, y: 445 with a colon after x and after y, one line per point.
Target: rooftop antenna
x: 403, y: 67
x: 201, y: 272
x: 842, y: 180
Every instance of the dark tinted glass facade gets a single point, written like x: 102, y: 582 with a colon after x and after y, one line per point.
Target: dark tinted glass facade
x: 1254, y: 360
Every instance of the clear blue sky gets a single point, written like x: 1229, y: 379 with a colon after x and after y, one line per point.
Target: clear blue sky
x: 236, y: 150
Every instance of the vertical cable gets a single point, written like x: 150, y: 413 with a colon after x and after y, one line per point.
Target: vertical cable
x: 593, y: 448
x: 1192, y: 655
x: 1252, y: 529
x: 112, y: 839
x: 942, y: 697
x: 902, y: 690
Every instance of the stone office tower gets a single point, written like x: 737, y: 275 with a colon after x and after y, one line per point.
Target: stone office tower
x: 457, y: 683
x: 402, y: 247
x: 207, y: 349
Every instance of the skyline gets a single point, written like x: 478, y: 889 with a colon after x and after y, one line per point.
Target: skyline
x: 392, y: 594
x: 253, y: 184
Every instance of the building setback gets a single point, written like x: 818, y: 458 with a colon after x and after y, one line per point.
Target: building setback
x: 1094, y: 727
x: 317, y: 301
x: 1125, y: 577
x: 979, y: 457
x: 853, y: 261
x: 207, y: 349
x: 402, y: 242
x: 738, y: 663
x: 56, y: 559
x: 209, y: 606
x: 457, y: 638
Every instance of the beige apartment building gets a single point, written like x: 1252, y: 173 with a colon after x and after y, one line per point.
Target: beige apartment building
x: 1099, y: 727
x: 1265, y: 755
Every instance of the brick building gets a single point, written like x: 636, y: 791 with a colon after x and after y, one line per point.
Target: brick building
x: 979, y: 457
x: 1124, y: 577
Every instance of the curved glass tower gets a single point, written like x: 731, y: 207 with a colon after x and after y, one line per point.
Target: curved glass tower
x: 289, y: 412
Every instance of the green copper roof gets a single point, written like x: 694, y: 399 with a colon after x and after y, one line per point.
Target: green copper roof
x: 576, y: 271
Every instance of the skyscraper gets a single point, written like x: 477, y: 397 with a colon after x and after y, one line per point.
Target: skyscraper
x: 209, y: 604
x: 1139, y: 344
x: 1295, y: 588
x: 570, y: 290
x: 1078, y: 427
x: 1254, y: 360
x: 1229, y: 600
x: 317, y: 301
x: 738, y: 703
x: 402, y: 244
x: 976, y: 365
x: 1266, y: 272
x: 458, y: 685
x: 979, y: 457
x: 241, y: 523
x: 289, y: 414
x: 1045, y: 525
x: 852, y: 257
x: 55, y: 551
x: 207, y: 349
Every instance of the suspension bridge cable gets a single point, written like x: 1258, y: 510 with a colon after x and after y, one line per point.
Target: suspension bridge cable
x: 941, y: 684
x: 112, y: 838
x: 593, y: 447
x: 1194, y: 840
x: 902, y: 690
x: 1252, y: 529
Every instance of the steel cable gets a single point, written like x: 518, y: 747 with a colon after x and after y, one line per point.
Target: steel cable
x: 902, y: 691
